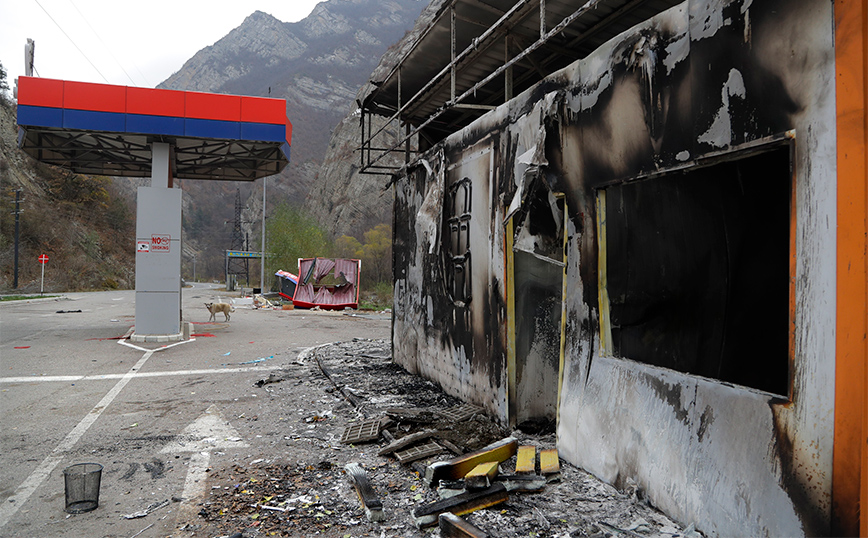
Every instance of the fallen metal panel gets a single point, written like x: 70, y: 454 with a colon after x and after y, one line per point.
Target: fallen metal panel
x: 362, y: 432
x: 418, y: 452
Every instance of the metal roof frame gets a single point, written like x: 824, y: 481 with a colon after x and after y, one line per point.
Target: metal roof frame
x: 474, y: 55
x: 110, y: 130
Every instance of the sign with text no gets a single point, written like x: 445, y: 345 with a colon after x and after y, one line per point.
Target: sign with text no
x: 160, y: 243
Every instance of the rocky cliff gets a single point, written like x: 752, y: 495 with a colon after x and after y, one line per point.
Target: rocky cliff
x: 316, y: 64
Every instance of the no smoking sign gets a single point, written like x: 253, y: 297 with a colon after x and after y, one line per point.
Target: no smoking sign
x: 160, y: 243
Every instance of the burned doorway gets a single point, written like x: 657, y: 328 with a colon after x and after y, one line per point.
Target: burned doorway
x: 536, y: 261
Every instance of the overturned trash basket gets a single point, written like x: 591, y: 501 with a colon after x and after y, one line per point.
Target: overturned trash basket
x: 81, y: 484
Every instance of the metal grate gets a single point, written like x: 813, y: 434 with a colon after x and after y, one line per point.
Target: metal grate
x: 362, y: 432
x: 461, y: 412
x: 418, y: 452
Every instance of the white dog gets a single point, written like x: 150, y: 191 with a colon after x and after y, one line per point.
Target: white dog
x: 219, y: 307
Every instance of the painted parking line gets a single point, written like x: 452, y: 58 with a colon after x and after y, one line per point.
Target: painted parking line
x: 137, y: 375
x: 38, y: 476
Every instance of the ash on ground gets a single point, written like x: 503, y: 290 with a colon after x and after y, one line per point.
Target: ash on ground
x: 304, y: 490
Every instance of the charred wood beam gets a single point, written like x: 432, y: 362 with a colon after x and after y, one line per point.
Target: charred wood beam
x: 452, y: 526
x: 426, y: 516
x: 406, y: 441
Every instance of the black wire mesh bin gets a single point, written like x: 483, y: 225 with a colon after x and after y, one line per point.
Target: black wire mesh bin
x: 81, y: 484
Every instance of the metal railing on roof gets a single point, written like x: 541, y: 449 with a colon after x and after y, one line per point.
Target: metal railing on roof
x: 427, y: 105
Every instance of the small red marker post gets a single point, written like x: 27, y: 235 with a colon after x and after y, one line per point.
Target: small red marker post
x: 43, y: 259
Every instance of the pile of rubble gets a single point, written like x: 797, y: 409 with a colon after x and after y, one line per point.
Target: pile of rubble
x: 408, y: 461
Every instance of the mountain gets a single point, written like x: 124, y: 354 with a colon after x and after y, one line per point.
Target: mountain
x: 316, y: 64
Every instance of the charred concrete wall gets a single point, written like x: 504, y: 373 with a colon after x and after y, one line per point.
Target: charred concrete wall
x: 687, y: 169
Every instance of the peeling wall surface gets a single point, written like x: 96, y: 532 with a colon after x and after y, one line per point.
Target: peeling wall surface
x: 681, y: 179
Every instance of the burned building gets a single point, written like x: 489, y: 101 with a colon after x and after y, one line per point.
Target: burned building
x: 644, y: 221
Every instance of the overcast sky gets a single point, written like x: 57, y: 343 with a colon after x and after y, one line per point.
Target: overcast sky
x: 130, y: 43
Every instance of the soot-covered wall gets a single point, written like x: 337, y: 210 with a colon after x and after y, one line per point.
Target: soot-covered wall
x: 691, y: 95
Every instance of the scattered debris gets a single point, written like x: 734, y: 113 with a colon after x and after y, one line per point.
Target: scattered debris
x: 465, y: 503
x: 272, y: 378
x: 302, y: 489
x: 461, y: 465
x: 424, y: 416
x: 452, y: 526
x: 142, y: 513
x: 372, y: 505
x: 522, y: 482
x: 254, y: 361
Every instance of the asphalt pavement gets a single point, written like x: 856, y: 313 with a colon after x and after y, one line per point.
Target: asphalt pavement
x: 155, y: 416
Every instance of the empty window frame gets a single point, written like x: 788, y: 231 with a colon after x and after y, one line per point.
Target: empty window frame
x: 695, y: 270
x: 458, y: 199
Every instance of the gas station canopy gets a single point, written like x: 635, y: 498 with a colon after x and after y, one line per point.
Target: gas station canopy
x: 109, y: 130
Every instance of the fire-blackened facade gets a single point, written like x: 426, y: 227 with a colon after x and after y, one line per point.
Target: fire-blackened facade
x: 643, y: 248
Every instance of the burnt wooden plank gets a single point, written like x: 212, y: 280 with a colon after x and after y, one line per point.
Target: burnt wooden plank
x: 452, y: 526
x: 427, y: 515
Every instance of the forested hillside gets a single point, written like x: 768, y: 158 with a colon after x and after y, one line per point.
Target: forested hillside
x: 84, y: 224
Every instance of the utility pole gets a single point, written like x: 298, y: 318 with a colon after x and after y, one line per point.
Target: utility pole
x: 262, y: 253
x: 17, y: 233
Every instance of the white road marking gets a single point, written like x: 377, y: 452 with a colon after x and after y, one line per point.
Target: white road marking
x: 208, y: 432
x: 26, y: 489
x: 194, y: 486
x: 101, y: 377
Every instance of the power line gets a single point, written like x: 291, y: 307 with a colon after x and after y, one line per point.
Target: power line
x: 92, y: 29
x: 71, y: 41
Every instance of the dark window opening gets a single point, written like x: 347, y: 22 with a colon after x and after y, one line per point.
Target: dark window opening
x: 458, y: 240
x: 696, y: 267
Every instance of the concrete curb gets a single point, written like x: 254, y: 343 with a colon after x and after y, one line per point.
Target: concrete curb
x: 35, y: 300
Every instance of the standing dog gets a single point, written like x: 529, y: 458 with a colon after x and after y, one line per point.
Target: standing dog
x: 219, y: 307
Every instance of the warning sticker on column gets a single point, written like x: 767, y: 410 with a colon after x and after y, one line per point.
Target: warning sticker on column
x: 143, y: 246
x: 160, y: 243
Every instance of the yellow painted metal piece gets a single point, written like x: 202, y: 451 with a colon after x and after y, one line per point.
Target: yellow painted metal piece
x: 549, y: 462
x: 525, y: 462
x: 563, y: 342
x: 457, y: 468
x: 602, y: 280
x: 511, y: 391
x: 488, y: 468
